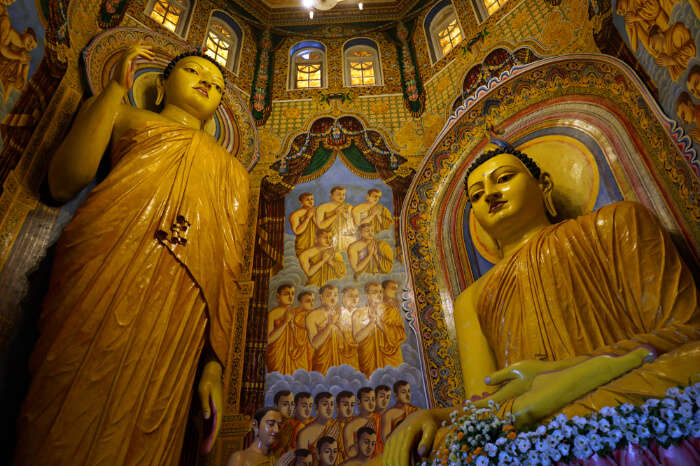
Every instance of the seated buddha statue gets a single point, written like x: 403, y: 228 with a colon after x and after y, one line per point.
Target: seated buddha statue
x: 142, y: 286
x: 577, y: 315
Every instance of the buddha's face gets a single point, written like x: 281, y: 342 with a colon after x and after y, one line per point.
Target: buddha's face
x: 383, y: 399
x: 302, y: 410
x: 285, y: 405
x: 346, y: 407
x: 367, y: 444
x: 195, y: 85
x: 324, y: 408
x: 367, y: 402
x: 503, y: 193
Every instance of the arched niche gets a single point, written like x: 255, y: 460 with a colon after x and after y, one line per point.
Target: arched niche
x: 594, y: 101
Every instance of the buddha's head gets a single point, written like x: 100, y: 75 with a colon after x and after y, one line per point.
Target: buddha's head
x: 193, y: 82
x: 508, y: 192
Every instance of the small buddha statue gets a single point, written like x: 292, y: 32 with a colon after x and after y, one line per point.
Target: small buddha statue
x: 143, y: 280
x: 577, y: 315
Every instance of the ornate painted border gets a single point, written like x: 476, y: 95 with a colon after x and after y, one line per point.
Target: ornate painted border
x: 664, y: 153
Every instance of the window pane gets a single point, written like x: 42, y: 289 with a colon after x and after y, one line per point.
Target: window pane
x: 172, y: 18
x: 314, y: 83
x: 211, y: 45
x: 221, y: 61
x: 169, y: 26
x: 356, y: 81
x: 355, y: 73
x: 369, y: 81
x: 315, y: 75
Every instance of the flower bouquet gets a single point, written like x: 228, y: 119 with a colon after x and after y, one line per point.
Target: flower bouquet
x: 661, y: 431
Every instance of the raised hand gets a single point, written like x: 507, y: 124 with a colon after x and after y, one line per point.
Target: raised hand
x: 124, y: 71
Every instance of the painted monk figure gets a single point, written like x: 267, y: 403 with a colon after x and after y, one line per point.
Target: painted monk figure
x: 383, y: 396
x: 333, y: 345
x: 143, y: 277
x: 630, y: 287
x: 344, y: 413
x: 302, y: 223
x: 367, y: 418
x: 322, y: 426
x: 401, y: 408
x: 288, y: 343
x: 672, y: 48
x: 266, y: 426
x: 372, y: 212
x: 322, y: 262
x: 327, y: 448
x: 368, y: 255
x: 335, y: 216
x: 284, y: 403
x: 378, y: 331
x: 303, y: 404
x: 366, y: 447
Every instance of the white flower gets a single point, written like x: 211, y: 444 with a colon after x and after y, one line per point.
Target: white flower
x: 662, y: 439
x: 616, y: 435
x: 652, y: 402
x: 580, y: 442
x: 643, y: 432
x: 603, y: 425
x: 626, y: 408
x: 673, y: 391
x: 608, y: 411
x: 583, y: 453
x: 491, y: 449
x: 659, y: 427
x: 504, y: 457
x: 686, y: 410
x: 560, y: 418
x: 579, y: 421
x: 674, y: 431
x: 695, y: 429
x: 567, y: 431
x: 563, y: 449
x: 667, y: 414
x: 540, y: 445
x: 669, y: 402
x: 523, y: 444
x: 482, y: 461
x: 501, y: 440
x: 541, y: 430
x: 554, y: 454
x: 631, y: 437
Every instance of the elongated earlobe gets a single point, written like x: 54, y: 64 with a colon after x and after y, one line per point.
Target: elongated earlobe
x: 160, y: 89
x: 547, y: 190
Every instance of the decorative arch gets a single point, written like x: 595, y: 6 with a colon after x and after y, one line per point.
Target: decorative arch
x: 596, y: 99
x: 494, y: 64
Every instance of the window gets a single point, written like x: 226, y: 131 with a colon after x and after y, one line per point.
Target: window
x: 223, y: 40
x: 362, y: 66
x: 308, y: 65
x: 171, y: 14
x: 486, y: 8
x: 443, y: 30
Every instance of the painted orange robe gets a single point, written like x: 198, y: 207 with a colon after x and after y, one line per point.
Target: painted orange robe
x: 336, y: 350
x: 331, y: 270
x: 292, y: 350
x: 381, y: 349
x: 128, y: 310
x: 407, y: 409
x: 606, y: 282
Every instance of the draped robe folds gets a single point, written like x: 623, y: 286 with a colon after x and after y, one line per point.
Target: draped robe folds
x: 292, y: 350
x: 305, y: 239
x: 380, y: 222
x: 143, y: 275
x: 604, y: 283
x: 381, y: 348
x: 336, y: 350
x: 331, y: 270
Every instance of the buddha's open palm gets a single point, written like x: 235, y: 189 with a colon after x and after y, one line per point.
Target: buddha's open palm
x: 124, y: 71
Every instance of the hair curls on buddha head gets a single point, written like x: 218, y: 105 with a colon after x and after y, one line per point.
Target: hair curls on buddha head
x: 530, y: 164
x: 194, y: 53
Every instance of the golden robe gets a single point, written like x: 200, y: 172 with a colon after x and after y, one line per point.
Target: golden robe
x: 143, y: 275
x: 306, y: 239
x: 680, y: 44
x: 381, y: 348
x: 607, y: 282
x: 382, y: 264
x: 331, y: 270
x: 292, y: 350
x: 381, y: 222
x: 336, y: 350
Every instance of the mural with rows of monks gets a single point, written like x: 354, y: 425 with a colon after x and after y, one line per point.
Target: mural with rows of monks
x: 341, y: 351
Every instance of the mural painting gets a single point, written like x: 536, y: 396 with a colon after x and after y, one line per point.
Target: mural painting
x: 341, y: 355
x: 21, y: 49
x: 664, y: 37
